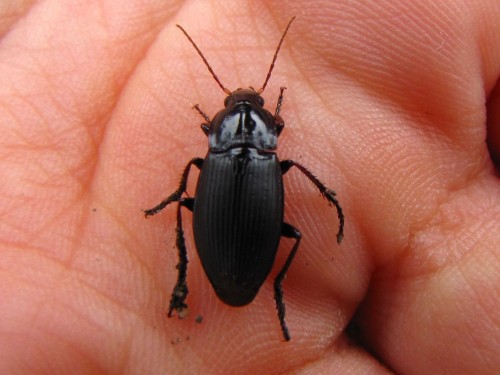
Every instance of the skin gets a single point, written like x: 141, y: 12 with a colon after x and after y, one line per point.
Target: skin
x: 388, y: 102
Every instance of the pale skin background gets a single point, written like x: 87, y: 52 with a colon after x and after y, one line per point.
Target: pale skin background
x: 388, y: 103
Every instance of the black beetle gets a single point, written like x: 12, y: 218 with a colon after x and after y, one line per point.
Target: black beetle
x: 239, y: 202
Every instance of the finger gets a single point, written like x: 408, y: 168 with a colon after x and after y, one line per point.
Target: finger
x: 62, y: 68
x: 438, y: 300
x: 11, y: 11
x: 434, y: 196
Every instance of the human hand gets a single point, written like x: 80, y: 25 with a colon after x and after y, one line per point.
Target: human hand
x: 385, y: 103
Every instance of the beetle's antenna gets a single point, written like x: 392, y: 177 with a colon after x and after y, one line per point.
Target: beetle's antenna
x: 205, y: 60
x: 275, y: 56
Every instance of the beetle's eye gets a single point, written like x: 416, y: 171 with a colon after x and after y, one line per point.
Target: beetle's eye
x: 226, y: 101
x: 260, y: 101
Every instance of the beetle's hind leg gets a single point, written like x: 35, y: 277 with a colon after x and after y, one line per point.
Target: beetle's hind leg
x: 289, y: 232
x: 180, y: 291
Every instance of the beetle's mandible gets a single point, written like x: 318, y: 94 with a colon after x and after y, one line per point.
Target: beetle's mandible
x: 239, y: 202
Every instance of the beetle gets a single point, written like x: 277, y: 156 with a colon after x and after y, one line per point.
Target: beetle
x: 238, y: 206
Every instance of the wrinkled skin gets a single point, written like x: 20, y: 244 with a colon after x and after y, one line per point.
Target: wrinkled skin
x: 389, y: 104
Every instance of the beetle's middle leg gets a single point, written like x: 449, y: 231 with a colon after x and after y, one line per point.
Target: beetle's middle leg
x: 327, y: 193
x: 180, y: 291
x: 289, y: 232
x: 176, y: 195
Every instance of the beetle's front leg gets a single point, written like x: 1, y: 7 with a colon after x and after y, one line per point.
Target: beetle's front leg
x: 280, y: 102
x: 278, y: 121
x: 176, y: 195
x: 327, y: 193
x: 180, y: 291
x: 205, y: 126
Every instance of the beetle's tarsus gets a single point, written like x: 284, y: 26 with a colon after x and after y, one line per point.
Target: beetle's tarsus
x: 180, y: 290
x: 177, y: 303
x: 203, y: 114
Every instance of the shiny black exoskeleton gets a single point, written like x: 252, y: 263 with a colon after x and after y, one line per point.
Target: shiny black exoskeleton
x: 239, y: 202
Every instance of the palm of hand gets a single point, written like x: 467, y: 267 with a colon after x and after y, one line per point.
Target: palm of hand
x: 389, y: 112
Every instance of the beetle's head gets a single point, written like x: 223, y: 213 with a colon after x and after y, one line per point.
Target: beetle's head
x: 244, y: 122
x: 241, y: 96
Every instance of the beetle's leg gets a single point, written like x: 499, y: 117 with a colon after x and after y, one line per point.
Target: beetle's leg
x: 278, y: 121
x: 280, y: 102
x: 327, y: 193
x: 180, y: 291
x: 176, y: 195
x: 203, y: 114
x: 289, y: 232
x: 205, y: 126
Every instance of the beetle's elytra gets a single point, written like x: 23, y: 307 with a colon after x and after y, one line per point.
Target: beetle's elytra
x: 239, y: 202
